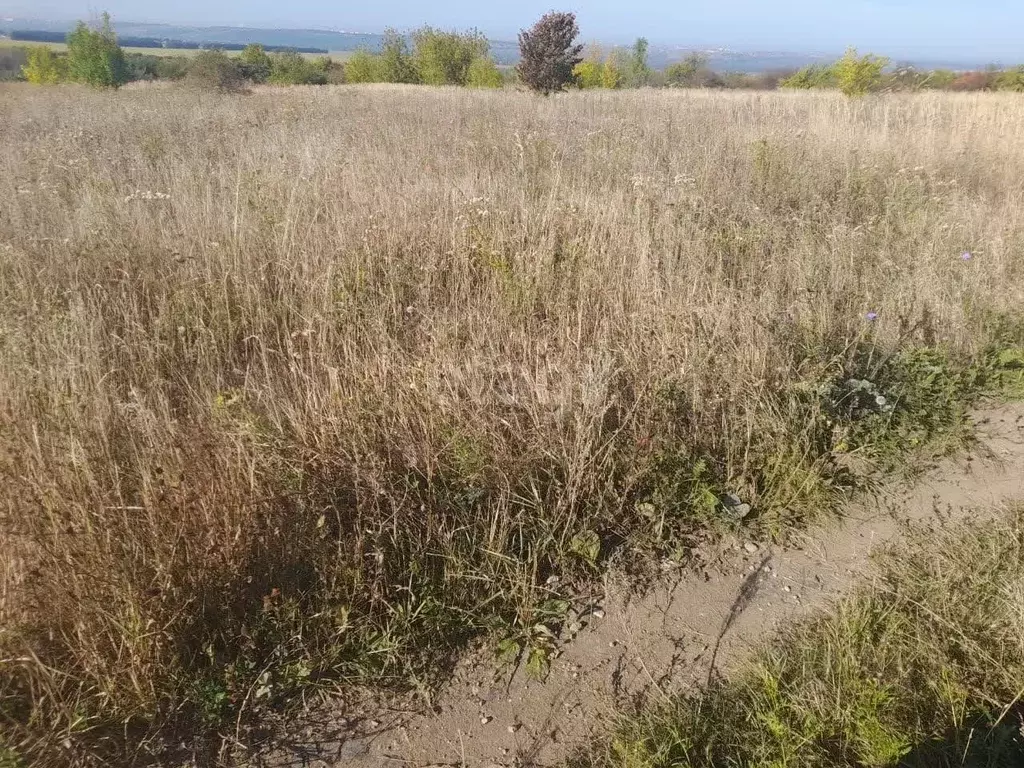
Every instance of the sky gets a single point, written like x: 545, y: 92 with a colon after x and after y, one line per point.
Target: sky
x: 986, y: 28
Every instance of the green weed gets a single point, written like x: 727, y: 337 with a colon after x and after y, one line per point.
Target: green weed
x: 920, y: 667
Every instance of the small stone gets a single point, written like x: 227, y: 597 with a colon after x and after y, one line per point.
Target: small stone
x: 512, y: 728
x: 485, y: 720
x: 613, y: 644
x: 787, y: 588
x: 352, y: 748
x: 751, y: 547
x: 598, y: 614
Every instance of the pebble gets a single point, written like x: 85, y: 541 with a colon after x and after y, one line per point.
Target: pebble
x: 751, y: 547
x: 352, y: 748
x: 485, y: 720
x: 598, y: 614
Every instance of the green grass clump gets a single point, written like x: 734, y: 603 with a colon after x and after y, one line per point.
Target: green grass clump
x: 922, y: 666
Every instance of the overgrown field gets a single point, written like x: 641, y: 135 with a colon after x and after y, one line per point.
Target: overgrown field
x: 922, y: 667
x: 304, y: 388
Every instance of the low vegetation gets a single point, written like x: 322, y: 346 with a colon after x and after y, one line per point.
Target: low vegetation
x: 921, y: 667
x: 290, y: 404
x: 550, y: 59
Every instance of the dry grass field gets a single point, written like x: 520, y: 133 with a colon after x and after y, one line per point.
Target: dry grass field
x: 304, y: 388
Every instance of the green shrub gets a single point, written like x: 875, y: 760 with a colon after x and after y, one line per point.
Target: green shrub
x: 813, y: 76
x: 94, y: 57
x: 484, y: 73
x: 588, y: 74
x: 213, y: 70
x: 611, y: 73
x: 444, y: 58
x: 143, y: 66
x: 639, y: 70
x: 394, y: 61
x: 44, y: 67
x: 919, y: 668
x: 684, y: 73
x: 859, y: 75
x: 255, y: 64
x: 363, y: 67
x: 291, y: 68
x: 1011, y: 80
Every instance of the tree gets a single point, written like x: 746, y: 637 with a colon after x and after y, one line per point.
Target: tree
x: 549, y: 52
x: 484, y: 73
x: 396, y: 65
x: 639, y: 71
x: 292, y: 68
x: 255, y: 64
x: 684, y: 73
x: 611, y: 73
x: 212, y: 70
x: 444, y: 58
x: 1011, y: 80
x: 363, y: 67
x: 588, y: 74
x: 859, y: 75
x: 43, y: 66
x: 94, y: 57
x: 813, y: 76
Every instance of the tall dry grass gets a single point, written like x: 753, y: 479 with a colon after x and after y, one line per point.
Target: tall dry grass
x: 309, y: 385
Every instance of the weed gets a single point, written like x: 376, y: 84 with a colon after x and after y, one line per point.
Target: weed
x: 920, y: 667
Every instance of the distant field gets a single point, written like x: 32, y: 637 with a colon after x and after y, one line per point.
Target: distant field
x: 336, y: 55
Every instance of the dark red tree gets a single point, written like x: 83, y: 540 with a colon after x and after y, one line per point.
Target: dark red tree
x: 549, y: 52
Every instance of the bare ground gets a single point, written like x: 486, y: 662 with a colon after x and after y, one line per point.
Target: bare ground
x: 678, y: 634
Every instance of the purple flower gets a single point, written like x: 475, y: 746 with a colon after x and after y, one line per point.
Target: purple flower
x: 871, y: 316
x: 966, y: 256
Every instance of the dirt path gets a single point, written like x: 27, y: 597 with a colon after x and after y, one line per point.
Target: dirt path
x: 674, y: 636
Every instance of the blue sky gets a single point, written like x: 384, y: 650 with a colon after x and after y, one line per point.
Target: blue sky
x: 990, y: 29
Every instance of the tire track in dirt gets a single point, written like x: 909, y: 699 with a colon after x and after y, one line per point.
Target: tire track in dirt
x: 672, y: 637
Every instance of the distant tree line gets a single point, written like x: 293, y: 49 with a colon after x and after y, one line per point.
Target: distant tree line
x: 44, y: 36
x: 551, y: 60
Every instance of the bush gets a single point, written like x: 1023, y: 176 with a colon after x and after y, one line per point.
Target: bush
x: 255, y: 64
x: 291, y: 68
x: 974, y: 81
x: 611, y: 73
x: 684, y: 73
x: 95, y: 58
x: 549, y: 53
x: 444, y: 58
x: 859, y: 75
x: 213, y: 70
x: 396, y: 65
x: 1011, y: 80
x: 142, y: 66
x: 12, y: 59
x: 484, y: 73
x: 813, y: 76
x: 363, y: 67
x: 43, y: 66
x: 639, y: 70
x: 588, y: 74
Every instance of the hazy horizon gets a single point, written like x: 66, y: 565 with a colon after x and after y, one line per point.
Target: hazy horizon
x: 988, y: 30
